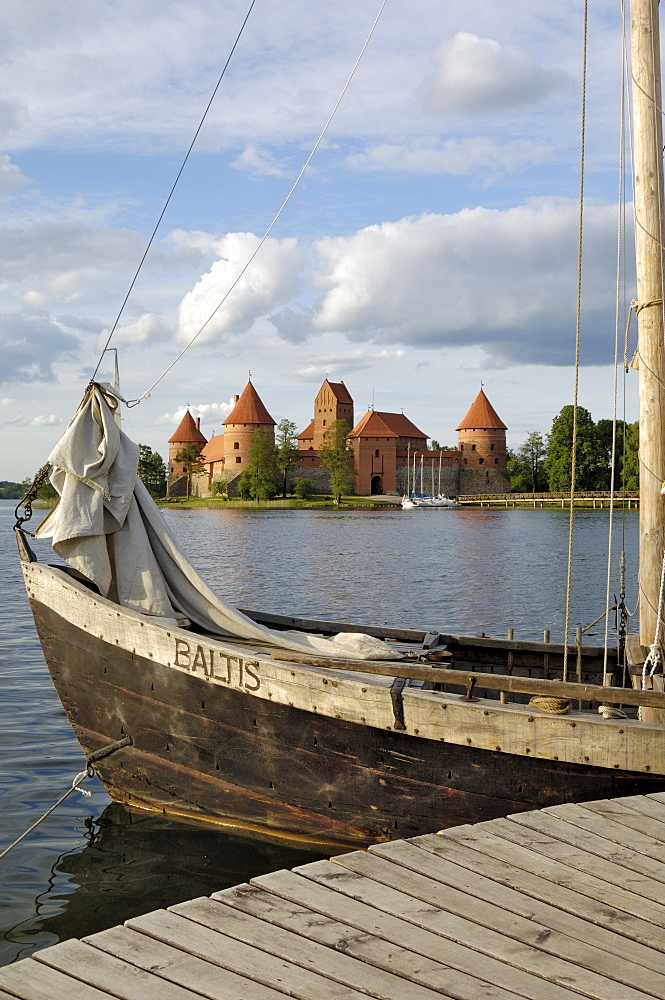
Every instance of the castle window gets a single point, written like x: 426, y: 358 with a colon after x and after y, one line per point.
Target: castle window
x: 324, y: 422
x: 461, y: 447
x: 481, y: 461
x: 491, y: 447
x: 473, y: 447
x: 465, y: 461
x: 496, y: 461
x: 238, y: 459
x: 236, y: 445
x: 376, y: 453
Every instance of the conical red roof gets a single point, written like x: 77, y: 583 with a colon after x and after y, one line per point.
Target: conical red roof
x: 187, y: 432
x: 481, y: 415
x: 249, y: 409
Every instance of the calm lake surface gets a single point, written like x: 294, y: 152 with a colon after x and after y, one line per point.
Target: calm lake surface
x: 91, y: 864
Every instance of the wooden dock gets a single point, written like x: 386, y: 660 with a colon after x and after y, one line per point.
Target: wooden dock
x: 547, y: 905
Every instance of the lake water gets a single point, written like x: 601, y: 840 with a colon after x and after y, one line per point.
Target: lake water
x: 91, y: 864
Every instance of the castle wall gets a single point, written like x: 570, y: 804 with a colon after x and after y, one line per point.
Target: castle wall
x: 450, y: 480
x: 483, y: 480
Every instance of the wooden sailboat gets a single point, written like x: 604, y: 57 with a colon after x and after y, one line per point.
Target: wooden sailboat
x: 271, y: 729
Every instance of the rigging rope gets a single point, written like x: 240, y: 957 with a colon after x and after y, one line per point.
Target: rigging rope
x: 170, y: 195
x: 240, y: 275
x: 578, y: 323
x: 617, y: 321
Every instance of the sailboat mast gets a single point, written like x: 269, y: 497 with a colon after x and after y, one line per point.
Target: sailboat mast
x: 649, y: 229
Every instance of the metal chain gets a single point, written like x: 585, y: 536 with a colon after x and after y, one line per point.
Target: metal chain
x: 26, y: 501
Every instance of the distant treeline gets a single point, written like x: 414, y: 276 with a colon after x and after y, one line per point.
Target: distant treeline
x: 544, y: 463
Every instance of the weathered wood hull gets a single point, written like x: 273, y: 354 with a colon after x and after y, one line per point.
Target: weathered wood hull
x: 220, y: 748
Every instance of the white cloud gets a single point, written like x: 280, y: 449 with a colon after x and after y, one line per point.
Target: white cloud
x: 259, y: 162
x: 210, y: 413
x: 7, y: 401
x: 501, y: 280
x: 456, y: 157
x: 52, y: 420
x: 147, y: 327
x: 10, y: 175
x: 473, y: 75
x: 272, y: 279
x: 30, y: 346
x: 332, y: 365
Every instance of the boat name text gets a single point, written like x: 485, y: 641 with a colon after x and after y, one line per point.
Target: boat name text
x: 221, y: 666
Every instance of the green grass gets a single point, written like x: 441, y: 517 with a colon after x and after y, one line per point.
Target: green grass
x: 291, y: 503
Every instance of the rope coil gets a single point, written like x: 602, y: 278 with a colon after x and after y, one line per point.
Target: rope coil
x: 547, y: 703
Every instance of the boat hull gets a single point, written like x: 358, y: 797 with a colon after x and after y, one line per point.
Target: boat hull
x: 223, y: 755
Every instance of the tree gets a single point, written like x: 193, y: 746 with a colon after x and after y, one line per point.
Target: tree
x: 11, y: 491
x: 152, y: 471
x: 591, y: 466
x: 262, y: 473
x: 604, y: 429
x: 336, y: 456
x: 526, y: 465
x: 287, y: 449
x: 192, y: 463
x: 631, y: 461
x: 46, y: 491
x: 302, y: 488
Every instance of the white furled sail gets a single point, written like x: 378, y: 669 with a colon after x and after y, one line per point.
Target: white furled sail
x: 107, y: 526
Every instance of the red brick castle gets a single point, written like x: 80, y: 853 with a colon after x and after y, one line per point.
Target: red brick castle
x: 386, y: 447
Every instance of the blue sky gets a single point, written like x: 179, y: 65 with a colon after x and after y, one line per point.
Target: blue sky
x: 431, y: 244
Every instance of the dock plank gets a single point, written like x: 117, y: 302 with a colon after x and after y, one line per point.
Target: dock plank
x: 574, y: 831
x: 466, y: 954
x: 224, y: 950
x: 331, y: 959
x: 523, y: 943
x: 31, y: 980
x: 444, y: 869
x: 108, y: 972
x: 624, y: 814
x: 375, y: 950
x: 532, y: 883
x: 613, y: 830
x: 192, y: 973
x: 545, y: 835
x: 556, y: 904
x: 484, y: 976
x: 648, y: 805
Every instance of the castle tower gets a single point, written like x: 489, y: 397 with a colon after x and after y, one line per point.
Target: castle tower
x: 481, y: 440
x: 248, y: 415
x: 186, y: 433
x: 332, y: 403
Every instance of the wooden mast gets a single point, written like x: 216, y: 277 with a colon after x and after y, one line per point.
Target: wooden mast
x: 649, y: 229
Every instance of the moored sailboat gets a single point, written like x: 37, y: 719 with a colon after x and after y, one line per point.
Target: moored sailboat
x: 307, y: 728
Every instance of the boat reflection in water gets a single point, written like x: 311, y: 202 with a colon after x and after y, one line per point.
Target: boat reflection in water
x: 135, y: 862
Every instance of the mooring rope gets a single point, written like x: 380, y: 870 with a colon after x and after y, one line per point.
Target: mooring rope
x: 89, y: 772
x: 80, y: 777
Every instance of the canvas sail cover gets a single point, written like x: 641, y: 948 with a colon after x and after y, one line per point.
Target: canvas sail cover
x: 107, y: 526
